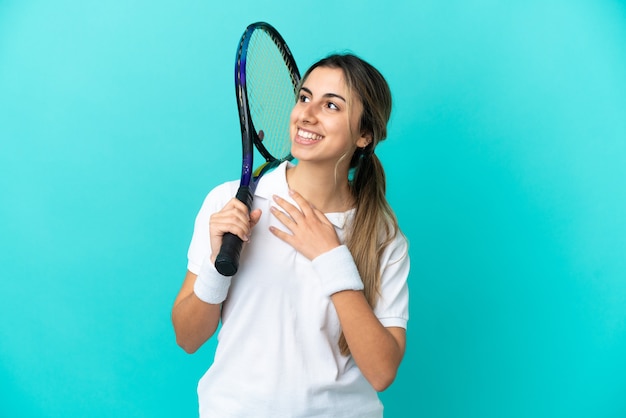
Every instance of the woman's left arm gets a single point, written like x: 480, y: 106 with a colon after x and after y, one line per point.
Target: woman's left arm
x: 376, y: 349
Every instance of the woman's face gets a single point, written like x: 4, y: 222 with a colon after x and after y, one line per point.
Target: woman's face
x: 324, y: 124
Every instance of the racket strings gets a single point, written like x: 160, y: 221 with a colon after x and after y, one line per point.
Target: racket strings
x: 271, y: 93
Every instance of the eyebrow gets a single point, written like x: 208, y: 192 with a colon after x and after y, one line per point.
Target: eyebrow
x: 327, y: 95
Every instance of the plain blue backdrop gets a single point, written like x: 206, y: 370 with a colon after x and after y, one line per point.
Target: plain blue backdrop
x: 506, y: 164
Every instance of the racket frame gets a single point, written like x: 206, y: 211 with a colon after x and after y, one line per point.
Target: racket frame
x: 227, y: 261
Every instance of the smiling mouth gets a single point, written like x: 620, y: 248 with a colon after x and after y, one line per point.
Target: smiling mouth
x: 309, y: 135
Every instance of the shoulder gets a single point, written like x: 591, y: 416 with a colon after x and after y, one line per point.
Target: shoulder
x: 274, y: 182
x: 395, y: 262
x: 399, y: 246
x: 271, y: 183
x: 219, y: 196
x: 224, y: 190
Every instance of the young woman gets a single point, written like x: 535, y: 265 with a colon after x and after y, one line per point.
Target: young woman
x: 313, y: 323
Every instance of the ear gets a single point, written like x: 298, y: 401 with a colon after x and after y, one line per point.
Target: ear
x: 364, y: 140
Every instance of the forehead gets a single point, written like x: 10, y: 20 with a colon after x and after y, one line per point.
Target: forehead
x: 326, y: 80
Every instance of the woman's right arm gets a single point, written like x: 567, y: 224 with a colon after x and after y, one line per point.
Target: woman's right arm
x: 194, y: 321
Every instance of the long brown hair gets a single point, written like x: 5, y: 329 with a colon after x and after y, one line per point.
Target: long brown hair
x: 374, y: 225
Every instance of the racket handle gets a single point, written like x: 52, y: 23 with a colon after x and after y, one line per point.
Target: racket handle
x: 227, y: 261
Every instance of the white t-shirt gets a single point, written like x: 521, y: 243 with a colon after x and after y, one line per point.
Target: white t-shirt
x: 277, y: 353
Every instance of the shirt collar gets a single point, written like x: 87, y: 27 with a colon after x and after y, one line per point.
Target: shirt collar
x: 275, y: 183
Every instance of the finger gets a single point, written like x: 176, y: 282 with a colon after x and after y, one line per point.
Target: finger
x: 231, y: 217
x: 321, y: 216
x: 304, y: 204
x: 292, y: 210
x: 255, y: 216
x: 283, y: 217
x: 220, y: 227
x: 306, y: 209
x: 281, y: 234
x: 237, y: 204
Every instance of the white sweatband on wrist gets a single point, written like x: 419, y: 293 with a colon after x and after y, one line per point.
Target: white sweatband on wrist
x: 210, y: 286
x: 337, y: 271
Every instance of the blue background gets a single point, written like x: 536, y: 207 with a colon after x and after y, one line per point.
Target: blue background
x: 506, y: 164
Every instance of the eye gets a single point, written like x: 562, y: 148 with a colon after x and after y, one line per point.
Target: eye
x: 303, y: 98
x: 332, y: 106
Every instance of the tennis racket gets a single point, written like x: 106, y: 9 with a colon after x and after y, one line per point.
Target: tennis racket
x: 266, y: 82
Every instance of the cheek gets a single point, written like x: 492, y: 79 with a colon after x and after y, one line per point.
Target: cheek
x: 292, y: 115
x: 292, y: 122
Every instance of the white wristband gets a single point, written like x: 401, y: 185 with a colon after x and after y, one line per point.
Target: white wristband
x: 210, y: 286
x: 337, y: 271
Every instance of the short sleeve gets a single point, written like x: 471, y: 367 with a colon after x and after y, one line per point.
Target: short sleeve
x: 392, y: 308
x: 200, y: 246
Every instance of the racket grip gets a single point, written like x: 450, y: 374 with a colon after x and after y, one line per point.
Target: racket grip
x: 227, y: 261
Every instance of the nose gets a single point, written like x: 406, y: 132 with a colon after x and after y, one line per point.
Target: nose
x: 308, y: 115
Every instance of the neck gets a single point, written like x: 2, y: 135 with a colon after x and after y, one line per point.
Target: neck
x: 325, y: 189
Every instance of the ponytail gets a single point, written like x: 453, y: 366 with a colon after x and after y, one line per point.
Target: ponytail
x: 374, y: 225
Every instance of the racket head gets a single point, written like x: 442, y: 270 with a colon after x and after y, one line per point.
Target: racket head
x: 266, y: 83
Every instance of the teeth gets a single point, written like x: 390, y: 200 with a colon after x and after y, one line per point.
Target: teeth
x: 309, y: 135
